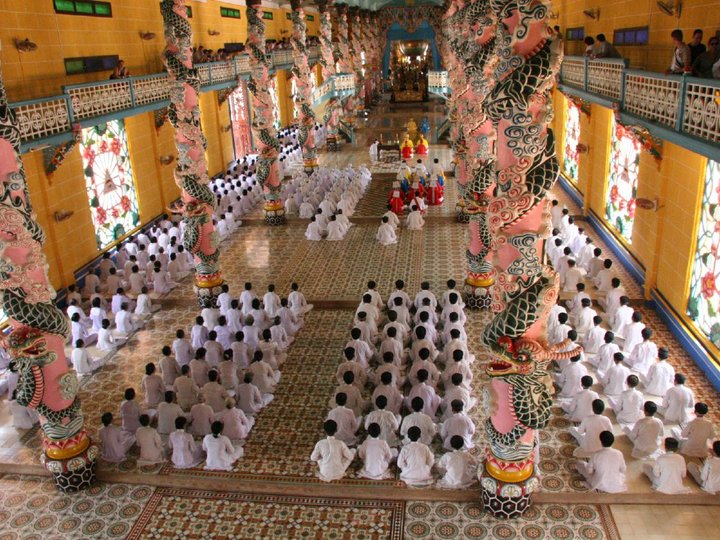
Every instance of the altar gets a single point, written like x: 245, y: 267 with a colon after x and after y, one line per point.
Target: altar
x: 389, y: 152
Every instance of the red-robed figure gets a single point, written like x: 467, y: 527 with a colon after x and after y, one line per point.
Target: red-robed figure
x: 395, y: 199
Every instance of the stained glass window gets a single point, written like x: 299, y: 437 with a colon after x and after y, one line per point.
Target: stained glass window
x: 704, y: 301
x: 240, y: 121
x: 622, y: 181
x: 572, y: 139
x: 275, y: 102
x: 109, y: 181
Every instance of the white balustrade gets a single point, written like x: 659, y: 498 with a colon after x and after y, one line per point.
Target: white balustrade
x: 438, y: 79
x: 100, y: 99
x: 282, y: 58
x: 702, y: 109
x: 605, y: 77
x: 222, y: 72
x: 653, y: 97
x: 151, y: 89
x: 572, y: 71
x: 243, y: 63
x: 204, y: 74
x: 38, y: 119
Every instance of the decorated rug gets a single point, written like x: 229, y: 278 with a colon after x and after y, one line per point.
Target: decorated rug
x: 189, y: 514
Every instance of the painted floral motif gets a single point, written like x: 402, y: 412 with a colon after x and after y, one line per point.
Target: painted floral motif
x: 622, y: 181
x: 240, y: 121
x: 109, y: 181
x: 572, y: 139
x: 704, y: 301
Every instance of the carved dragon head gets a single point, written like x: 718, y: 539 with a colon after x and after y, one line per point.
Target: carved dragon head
x: 524, y: 356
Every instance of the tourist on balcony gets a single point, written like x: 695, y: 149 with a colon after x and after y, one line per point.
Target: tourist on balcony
x: 589, y: 46
x: 604, y: 49
x: 703, y: 64
x: 681, y: 60
x: 120, y: 71
x: 696, y: 45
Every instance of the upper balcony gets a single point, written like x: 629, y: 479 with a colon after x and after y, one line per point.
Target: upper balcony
x: 48, y: 121
x: 680, y: 108
x: 340, y: 86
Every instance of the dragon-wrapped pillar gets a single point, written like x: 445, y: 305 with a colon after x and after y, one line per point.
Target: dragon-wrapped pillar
x: 268, y: 147
x: 356, y: 49
x: 518, y: 398
x: 39, y: 329
x: 345, y: 58
x: 303, y: 100
x: 333, y: 107
x: 197, y: 199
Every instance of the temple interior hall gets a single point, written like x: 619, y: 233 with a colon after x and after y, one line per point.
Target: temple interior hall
x: 359, y: 269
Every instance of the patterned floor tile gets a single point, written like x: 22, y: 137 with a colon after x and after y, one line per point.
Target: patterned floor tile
x: 446, y: 520
x: 32, y: 508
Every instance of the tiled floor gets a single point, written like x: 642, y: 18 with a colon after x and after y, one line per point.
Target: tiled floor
x: 279, y: 446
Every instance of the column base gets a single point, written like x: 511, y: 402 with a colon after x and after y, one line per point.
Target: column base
x: 310, y: 164
x: 477, y: 293
x: 76, y: 473
x: 207, y: 289
x: 332, y: 144
x: 506, y: 500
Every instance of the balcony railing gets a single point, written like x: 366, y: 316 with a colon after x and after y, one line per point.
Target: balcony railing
x: 687, y: 105
x: 438, y: 83
x: 44, y: 120
x: 339, y: 86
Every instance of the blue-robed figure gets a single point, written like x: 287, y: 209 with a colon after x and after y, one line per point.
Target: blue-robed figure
x: 424, y: 126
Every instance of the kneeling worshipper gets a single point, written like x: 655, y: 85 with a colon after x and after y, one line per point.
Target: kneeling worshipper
x: 605, y: 471
x: 332, y: 455
x: 386, y: 233
x: 376, y: 455
x: 414, y: 220
x: 221, y: 454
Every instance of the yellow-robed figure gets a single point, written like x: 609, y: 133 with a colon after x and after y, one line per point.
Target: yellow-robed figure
x: 406, y: 147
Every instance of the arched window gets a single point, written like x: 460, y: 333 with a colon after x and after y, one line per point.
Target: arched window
x: 109, y: 181
x: 704, y: 300
x: 622, y: 181
x: 572, y: 139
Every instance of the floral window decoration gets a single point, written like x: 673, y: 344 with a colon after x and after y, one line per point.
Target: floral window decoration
x: 109, y: 181
x: 572, y: 139
x: 240, y: 121
x: 704, y: 301
x: 623, y: 180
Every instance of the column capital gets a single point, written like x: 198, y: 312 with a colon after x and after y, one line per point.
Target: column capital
x: 253, y: 3
x: 295, y: 4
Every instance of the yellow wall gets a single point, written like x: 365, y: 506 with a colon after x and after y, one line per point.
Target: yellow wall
x: 615, y: 14
x: 42, y: 73
x: 664, y: 240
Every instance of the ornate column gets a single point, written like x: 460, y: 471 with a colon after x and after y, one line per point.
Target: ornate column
x: 191, y: 176
x: 356, y: 48
x: 39, y: 329
x: 267, y: 171
x: 327, y: 63
x: 345, y: 59
x: 468, y: 32
x: 303, y: 101
x: 521, y: 72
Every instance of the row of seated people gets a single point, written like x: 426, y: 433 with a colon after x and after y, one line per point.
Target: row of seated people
x: 210, y: 386
x: 623, y: 371
x: 421, y: 349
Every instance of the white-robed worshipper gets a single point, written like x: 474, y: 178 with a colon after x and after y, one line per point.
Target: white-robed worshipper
x: 106, y: 340
x: 594, y: 339
x: 376, y: 455
x: 185, y: 389
x: 297, y: 302
x: 615, y: 379
x: 678, y: 402
x: 569, y: 378
x: 415, y: 460
x: 707, y: 475
x: 149, y: 442
x: 660, y: 376
x: 346, y: 420
x: 186, y: 453
x: 335, y: 229
x: 249, y: 398
x: 82, y: 361
x: 647, y: 432
x: 459, y: 424
x: 220, y: 452
x: 374, y: 151
x: 420, y: 420
x: 414, y: 220
x: 668, y: 470
x: 605, y: 470
x: 643, y: 354
x: 580, y: 406
x: 628, y: 406
x: 167, y: 412
x: 388, y: 421
x: 124, y: 321
x: 22, y: 417
x: 314, y: 230
x: 332, y: 455
x: 695, y: 436
x: 604, y: 357
x: 144, y: 308
x: 632, y: 334
x: 116, y: 443
x: 458, y: 467
x: 386, y: 234
x: 588, y: 432
x: 182, y: 349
